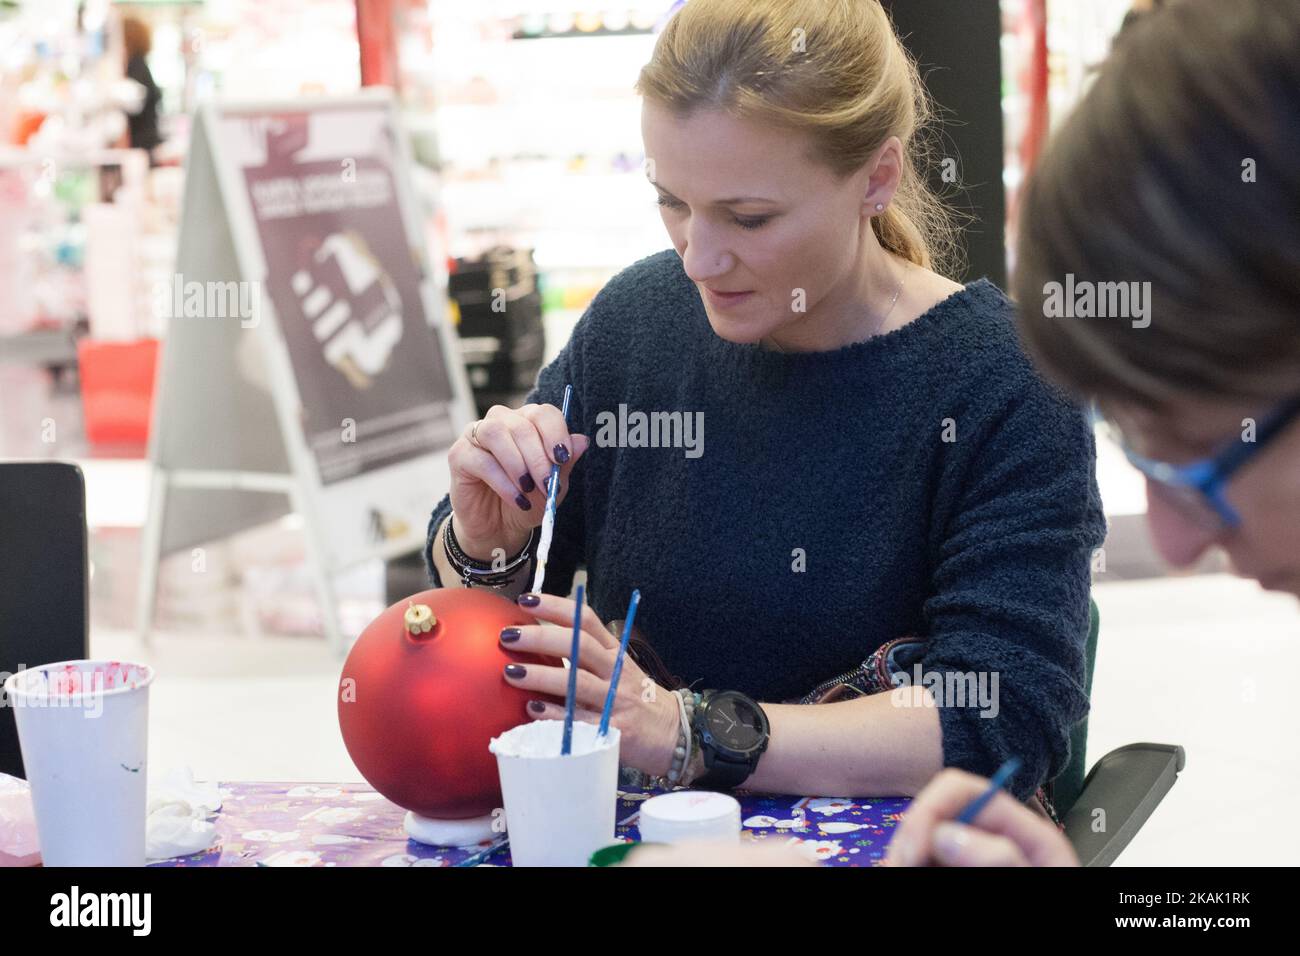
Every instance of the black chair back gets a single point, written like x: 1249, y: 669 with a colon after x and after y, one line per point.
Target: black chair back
x: 43, y: 577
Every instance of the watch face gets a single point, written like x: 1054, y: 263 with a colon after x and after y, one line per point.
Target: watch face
x: 736, y: 724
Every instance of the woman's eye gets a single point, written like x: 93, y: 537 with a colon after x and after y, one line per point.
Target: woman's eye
x: 750, y: 222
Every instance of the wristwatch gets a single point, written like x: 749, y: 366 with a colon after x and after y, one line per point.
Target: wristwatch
x: 733, y: 732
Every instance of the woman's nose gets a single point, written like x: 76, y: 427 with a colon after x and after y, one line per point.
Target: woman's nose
x: 1180, y: 541
x: 703, y: 260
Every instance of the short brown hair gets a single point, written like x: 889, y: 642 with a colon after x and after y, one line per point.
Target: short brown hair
x: 1181, y: 168
x: 136, y: 37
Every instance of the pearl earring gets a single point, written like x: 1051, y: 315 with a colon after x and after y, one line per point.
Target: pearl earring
x: 880, y: 207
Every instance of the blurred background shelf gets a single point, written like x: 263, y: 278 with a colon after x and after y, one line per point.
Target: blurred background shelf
x: 44, y: 347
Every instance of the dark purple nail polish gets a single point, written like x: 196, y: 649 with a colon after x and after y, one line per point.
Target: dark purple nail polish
x: 526, y: 483
x: 529, y: 600
x: 509, y: 635
x: 523, y: 503
x: 515, y: 671
x: 561, y: 454
x: 537, y: 707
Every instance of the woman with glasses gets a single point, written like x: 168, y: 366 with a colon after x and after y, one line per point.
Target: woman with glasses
x: 1178, y: 170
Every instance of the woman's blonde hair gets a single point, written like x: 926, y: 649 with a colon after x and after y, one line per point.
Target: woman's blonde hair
x: 831, y: 68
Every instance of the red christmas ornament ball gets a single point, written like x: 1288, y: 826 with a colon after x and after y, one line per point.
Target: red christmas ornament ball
x: 422, y: 694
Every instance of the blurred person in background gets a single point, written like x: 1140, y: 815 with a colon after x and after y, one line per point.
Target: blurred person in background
x: 142, y: 125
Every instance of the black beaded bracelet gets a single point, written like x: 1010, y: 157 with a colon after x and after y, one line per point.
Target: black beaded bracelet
x: 473, y: 572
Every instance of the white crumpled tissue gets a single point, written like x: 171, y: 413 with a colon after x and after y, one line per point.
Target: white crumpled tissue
x: 18, y: 843
x: 177, y: 822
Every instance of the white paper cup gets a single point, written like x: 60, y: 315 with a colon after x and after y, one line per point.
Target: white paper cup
x: 687, y: 815
x: 559, y: 810
x: 83, y: 729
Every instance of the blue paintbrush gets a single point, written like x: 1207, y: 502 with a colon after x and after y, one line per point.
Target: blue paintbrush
x: 548, y: 519
x: 572, y: 696
x: 618, y: 664
x: 1005, y: 773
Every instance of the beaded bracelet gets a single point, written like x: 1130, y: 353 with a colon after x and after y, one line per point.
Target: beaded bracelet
x: 682, y: 752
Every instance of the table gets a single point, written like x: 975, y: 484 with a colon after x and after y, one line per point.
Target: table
x: 349, y: 824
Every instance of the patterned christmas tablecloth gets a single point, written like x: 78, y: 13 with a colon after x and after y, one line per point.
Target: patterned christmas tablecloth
x: 349, y: 824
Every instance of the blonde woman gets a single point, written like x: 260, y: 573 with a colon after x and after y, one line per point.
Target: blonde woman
x: 863, y: 467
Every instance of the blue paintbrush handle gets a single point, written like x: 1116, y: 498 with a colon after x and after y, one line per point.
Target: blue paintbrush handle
x: 1005, y: 773
x: 618, y: 663
x: 567, y: 744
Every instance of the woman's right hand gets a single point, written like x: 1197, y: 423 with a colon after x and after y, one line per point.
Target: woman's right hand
x: 1005, y: 833
x: 499, y: 472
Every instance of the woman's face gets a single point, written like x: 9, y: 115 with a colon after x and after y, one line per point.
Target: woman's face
x: 750, y: 212
x: 1265, y: 491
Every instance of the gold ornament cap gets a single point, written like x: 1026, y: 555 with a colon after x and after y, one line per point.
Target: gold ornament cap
x: 419, y: 619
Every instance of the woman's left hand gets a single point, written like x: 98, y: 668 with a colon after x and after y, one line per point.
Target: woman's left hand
x: 645, y: 713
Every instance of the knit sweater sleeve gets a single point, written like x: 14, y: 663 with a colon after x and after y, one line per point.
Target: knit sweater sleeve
x: 567, y: 542
x: 1011, y: 585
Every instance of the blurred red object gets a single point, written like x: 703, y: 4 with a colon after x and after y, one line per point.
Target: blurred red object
x: 377, y: 30
x: 26, y: 125
x: 417, y: 710
x: 117, y: 380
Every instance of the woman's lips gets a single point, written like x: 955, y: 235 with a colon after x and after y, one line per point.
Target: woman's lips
x: 726, y: 300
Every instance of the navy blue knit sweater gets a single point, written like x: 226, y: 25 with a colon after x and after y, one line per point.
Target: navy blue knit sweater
x: 924, y: 482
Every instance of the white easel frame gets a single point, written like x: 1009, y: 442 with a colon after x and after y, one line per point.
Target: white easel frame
x: 300, y: 482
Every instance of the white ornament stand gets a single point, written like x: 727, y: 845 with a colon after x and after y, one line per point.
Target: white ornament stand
x: 462, y: 833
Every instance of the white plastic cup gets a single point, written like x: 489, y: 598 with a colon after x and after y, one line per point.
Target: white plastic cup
x: 559, y: 810
x: 687, y: 815
x: 83, y: 728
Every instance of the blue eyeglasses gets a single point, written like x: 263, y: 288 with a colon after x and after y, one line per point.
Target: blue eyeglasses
x: 1198, y: 489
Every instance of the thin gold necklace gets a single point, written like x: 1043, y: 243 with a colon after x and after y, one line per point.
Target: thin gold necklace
x: 879, y: 325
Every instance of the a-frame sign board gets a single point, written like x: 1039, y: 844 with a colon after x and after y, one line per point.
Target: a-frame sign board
x: 308, y: 366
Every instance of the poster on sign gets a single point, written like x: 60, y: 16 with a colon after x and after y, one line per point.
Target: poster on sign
x: 345, y: 285
x: 331, y: 386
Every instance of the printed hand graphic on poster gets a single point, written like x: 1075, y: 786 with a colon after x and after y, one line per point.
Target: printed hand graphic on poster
x: 353, y: 306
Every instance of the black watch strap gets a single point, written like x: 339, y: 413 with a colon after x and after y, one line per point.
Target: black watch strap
x: 723, y: 774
